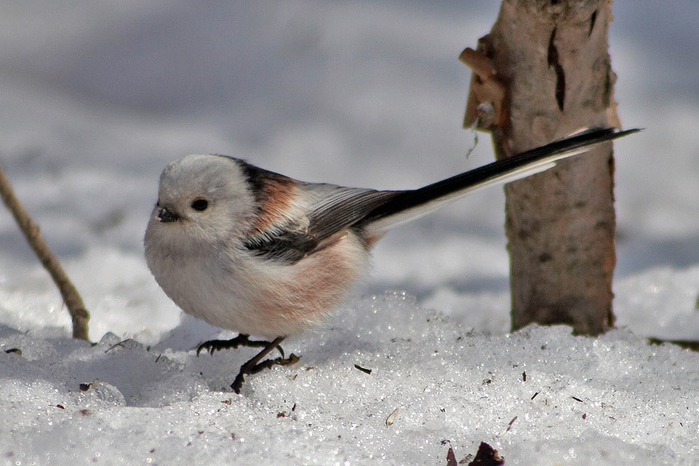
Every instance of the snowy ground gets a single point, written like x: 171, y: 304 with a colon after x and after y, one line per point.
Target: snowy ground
x: 95, y: 98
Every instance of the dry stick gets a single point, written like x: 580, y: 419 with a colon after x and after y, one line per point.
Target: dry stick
x: 76, y: 308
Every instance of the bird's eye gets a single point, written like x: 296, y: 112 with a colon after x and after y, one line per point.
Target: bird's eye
x: 200, y: 204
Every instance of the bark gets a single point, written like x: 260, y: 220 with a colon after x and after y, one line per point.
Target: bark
x: 552, y: 59
x: 79, y: 315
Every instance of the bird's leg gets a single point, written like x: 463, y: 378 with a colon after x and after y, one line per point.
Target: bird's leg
x: 253, y: 366
x: 241, y: 340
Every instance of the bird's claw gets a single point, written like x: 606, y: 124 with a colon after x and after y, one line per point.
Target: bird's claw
x: 251, y: 367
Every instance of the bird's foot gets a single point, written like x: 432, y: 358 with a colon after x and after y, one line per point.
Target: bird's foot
x: 212, y: 346
x: 237, y: 384
x: 255, y: 365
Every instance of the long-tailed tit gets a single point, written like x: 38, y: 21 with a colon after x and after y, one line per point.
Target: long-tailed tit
x: 263, y: 254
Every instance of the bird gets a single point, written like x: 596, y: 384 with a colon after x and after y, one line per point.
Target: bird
x: 259, y: 253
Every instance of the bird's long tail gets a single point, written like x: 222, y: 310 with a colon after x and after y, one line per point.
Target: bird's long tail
x: 409, y: 205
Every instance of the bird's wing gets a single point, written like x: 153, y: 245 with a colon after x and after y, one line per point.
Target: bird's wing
x: 319, y: 214
x: 339, y: 207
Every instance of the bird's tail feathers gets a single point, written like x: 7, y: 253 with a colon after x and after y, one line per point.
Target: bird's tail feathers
x: 410, y: 205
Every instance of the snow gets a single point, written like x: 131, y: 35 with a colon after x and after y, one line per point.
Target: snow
x: 96, y: 98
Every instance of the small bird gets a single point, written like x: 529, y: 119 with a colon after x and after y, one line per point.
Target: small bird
x: 260, y: 253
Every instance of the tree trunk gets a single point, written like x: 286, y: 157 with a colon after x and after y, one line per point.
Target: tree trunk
x: 552, y: 59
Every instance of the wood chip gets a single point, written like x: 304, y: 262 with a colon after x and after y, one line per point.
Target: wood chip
x: 391, y: 418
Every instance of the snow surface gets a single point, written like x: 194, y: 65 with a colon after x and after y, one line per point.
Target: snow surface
x: 97, y: 97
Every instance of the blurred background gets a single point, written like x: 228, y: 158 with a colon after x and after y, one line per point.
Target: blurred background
x: 97, y: 97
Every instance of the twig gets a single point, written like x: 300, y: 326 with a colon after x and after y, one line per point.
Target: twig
x: 72, y: 299
x: 692, y: 345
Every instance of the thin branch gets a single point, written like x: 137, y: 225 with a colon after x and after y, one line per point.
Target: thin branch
x: 72, y: 299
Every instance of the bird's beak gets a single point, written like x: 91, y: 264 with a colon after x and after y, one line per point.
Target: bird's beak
x: 165, y: 216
